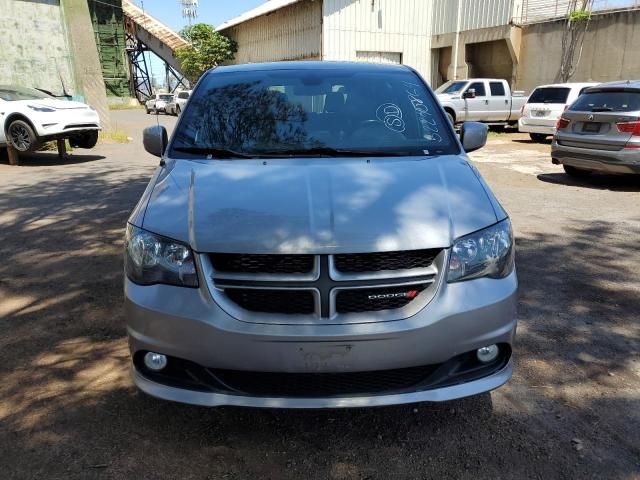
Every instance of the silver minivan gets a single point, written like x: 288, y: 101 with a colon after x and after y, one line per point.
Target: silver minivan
x: 315, y: 236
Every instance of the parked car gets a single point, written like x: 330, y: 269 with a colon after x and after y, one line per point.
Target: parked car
x: 488, y: 100
x: 545, y: 106
x: 328, y: 244
x: 175, y: 106
x: 158, y: 103
x: 600, y: 131
x: 30, y: 117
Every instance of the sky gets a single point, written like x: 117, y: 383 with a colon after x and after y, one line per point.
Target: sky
x: 169, y: 12
x: 214, y: 12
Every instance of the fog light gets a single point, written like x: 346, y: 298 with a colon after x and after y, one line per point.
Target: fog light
x: 487, y: 354
x: 155, y: 361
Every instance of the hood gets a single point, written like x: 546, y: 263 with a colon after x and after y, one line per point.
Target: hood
x: 318, y: 205
x: 55, y: 103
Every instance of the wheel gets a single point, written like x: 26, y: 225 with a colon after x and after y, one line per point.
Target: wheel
x: 177, y: 110
x: 84, y: 140
x: 450, y: 118
x: 148, y: 111
x: 22, y: 137
x: 538, y: 137
x: 576, y: 172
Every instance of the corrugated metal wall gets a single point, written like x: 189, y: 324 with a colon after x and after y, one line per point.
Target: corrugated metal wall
x: 291, y: 33
x: 475, y: 14
x: 392, y: 26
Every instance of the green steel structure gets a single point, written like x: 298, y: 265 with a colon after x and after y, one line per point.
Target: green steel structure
x: 108, y: 24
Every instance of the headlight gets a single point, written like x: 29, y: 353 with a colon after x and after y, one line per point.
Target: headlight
x: 487, y: 253
x: 151, y: 259
x: 41, y: 108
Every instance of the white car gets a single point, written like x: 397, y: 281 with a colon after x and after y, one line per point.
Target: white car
x: 158, y: 103
x: 545, y: 106
x: 29, y: 117
x: 178, y: 103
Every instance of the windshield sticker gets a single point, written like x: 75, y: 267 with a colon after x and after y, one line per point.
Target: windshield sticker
x: 424, y: 115
x: 391, y: 115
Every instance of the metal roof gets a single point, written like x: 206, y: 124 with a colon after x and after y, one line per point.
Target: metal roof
x: 267, y: 7
x: 155, y: 27
x: 310, y: 65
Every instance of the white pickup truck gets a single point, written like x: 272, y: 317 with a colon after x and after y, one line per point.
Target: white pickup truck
x: 488, y: 100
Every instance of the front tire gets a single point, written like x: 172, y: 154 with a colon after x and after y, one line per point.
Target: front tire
x: 22, y: 137
x: 84, y: 140
x: 177, y: 110
x: 538, y: 137
x: 576, y: 172
x: 450, y: 118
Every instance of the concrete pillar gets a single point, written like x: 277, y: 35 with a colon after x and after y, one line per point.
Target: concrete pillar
x: 459, y: 68
x: 84, y: 57
x: 514, y: 42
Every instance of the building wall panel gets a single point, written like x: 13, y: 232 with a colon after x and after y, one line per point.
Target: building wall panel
x: 384, y: 26
x: 291, y: 33
x: 35, y: 51
x: 476, y: 14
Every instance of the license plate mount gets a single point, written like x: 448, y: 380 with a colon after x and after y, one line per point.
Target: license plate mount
x: 591, y: 127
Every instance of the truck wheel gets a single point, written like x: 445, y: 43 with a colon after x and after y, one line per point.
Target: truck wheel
x: 22, y: 137
x: 538, y: 137
x: 450, y: 118
x: 177, y: 110
x: 84, y: 140
x: 576, y: 172
x: 148, y: 111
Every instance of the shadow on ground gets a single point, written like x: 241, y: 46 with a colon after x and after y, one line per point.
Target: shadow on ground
x: 616, y: 183
x: 68, y: 409
x: 46, y: 159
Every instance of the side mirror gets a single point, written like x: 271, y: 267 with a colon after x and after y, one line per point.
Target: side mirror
x: 473, y: 135
x: 155, y: 140
x: 471, y: 93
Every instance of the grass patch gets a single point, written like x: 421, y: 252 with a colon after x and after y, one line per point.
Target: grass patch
x: 52, y: 146
x: 124, y: 106
x: 113, y: 136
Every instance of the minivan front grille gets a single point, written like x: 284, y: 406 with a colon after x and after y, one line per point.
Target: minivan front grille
x: 307, y: 289
x: 374, y: 262
x: 287, y: 302
x: 262, y: 264
x: 376, y: 299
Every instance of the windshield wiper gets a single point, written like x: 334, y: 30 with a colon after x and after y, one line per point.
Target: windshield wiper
x: 602, y: 109
x: 333, y: 152
x: 220, y: 153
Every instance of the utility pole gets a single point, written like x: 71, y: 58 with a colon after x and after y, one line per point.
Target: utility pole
x: 189, y: 10
x: 457, y: 42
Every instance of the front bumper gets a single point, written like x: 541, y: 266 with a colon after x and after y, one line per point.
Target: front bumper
x: 188, y: 324
x: 604, y: 161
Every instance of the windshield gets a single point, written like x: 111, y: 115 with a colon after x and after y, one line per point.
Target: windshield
x: 616, y: 101
x: 549, y: 95
x: 451, y: 87
x: 292, y: 111
x: 166, y: 98
x: 11, y: 94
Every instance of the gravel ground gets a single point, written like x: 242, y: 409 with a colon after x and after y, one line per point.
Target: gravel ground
x: 68, y: 408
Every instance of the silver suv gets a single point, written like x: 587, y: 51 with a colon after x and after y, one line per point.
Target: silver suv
x: 600, y: 132
x: 315, y: 236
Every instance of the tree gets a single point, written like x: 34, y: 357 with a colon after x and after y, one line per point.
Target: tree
x: 577, y: 23
x: 207, y: 49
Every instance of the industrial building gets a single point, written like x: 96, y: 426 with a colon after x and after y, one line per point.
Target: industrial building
x: 518, y: 40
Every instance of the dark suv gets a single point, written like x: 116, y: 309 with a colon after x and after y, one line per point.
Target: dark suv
x: 600, y: 132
